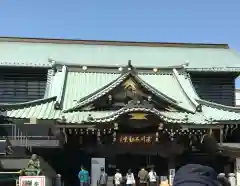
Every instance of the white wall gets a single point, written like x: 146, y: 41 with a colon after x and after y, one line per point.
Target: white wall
x: 237, y: 96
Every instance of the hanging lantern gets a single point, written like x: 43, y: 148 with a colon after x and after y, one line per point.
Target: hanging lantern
x: 157, y: 135
x: 160, y: 126
x: 115, y: 126
x: 98, y: 133
x: 114, y: 137
x: 98, y: 137
x: 171, y: 134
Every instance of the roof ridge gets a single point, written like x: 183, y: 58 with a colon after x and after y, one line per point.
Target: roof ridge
x: 219, y: 106
x: 59, y: 100
x: 190, y: 99
x: 160, y: 94
x: 84, y: 101
x: 55, y: 63
x: 4, y: 106
x: 112, y: 42
x: 50, y: 76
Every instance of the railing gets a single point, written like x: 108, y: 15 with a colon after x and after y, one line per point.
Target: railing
x: 19, y: 138
x: 10, y: 129
x: 15, y: 134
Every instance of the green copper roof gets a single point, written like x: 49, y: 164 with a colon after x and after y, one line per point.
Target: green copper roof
x: 37, y: 53
x: 39, y: 109
x: 209, y: 115
x: 78, y: 85
x: 67, y: 86
x: 180, y: 101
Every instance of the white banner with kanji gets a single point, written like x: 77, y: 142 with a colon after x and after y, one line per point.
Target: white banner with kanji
x: 32, y: 181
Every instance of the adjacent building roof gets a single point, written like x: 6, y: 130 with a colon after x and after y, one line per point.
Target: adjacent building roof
x: 39, y: 109
x: 71, y: 86
x: 33, y: 52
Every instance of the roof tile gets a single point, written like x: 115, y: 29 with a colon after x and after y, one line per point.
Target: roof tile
x: 81, y: 84
x: 37, y: 54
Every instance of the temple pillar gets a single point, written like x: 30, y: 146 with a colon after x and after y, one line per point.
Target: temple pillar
x: 232, y: 179
x: 171, y: 169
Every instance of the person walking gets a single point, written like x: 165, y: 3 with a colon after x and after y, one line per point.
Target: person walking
x: 143, y: 176
x: 103, y: 178
x: 130, y: 180
x: 117, y: 178
x: 83, y: 177
x: 152, y: 177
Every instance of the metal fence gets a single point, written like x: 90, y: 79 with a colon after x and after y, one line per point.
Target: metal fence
x: 21, y: 135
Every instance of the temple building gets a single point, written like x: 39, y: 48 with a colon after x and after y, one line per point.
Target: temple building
x: 132, y: 103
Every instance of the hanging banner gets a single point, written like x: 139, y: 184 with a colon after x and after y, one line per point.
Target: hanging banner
x: 32, y: 181
x: 136, y: 138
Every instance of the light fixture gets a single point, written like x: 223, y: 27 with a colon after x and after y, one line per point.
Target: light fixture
x: 84, y: 68
x: 120, y: 68
x: 155, y: 70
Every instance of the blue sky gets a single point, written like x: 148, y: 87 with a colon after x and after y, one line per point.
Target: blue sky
x: 134, y: 20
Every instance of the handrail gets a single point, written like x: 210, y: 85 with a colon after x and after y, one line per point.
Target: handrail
x: 10, y: 172
x: 16, y: 134
x: 30, y: 137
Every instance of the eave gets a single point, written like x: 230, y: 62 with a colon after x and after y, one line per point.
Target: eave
x: 218, y: 106
x: 6, y: 107
x: 168, y: 117
x: 42, y: 109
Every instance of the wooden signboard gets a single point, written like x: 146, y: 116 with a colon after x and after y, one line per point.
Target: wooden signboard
x: 32, y: 181
x: 136, y: 139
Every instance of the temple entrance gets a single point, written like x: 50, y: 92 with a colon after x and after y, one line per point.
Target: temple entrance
x: 135, y: 162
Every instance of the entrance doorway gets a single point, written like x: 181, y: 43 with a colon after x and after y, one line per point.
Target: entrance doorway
x: 136, y: 162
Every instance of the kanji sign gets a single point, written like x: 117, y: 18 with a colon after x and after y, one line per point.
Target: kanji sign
x: 32, y: 181
x: 130, y: 139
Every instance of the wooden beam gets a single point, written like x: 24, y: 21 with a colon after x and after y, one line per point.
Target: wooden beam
x: 206, y: 126
x: 76, y: 126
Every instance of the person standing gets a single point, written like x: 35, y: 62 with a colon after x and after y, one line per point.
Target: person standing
x: 164, y: 181
x: 152, y: 176
x: 130, y: 180
x: 117, y: 178
x: 143, y: 176
x: 83, y: 176
x: 103, y: 178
